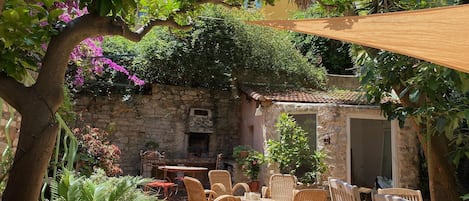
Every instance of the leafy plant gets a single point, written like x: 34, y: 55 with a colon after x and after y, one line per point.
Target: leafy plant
x: 95, y: 151
x: 292, y: 150
x: 98, y: 187
x: 317, y: 167
x: 240, y: 152
x: 465, y: 197
x: 328, y: 53
x: 249, y: 159
x: 252, y: 164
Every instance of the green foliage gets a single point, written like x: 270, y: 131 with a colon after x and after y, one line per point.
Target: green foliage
x: 238, y: 153
x: 99, y: 187
x: 221, y: 48
x: 251, y: 162
x: 292, y: 150
x: 465, y: 197
x: 21, y: 36
x: 434, y: 93
x: 328, y: 53
x: 434, y: 96
x: 66, y: 110
x: 96, y: 151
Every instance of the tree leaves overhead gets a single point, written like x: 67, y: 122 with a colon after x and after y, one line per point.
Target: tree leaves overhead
x: 220, y: 48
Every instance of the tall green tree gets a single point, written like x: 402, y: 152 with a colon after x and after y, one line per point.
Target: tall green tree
x: 435, y: 98
x: 24, y: 27
x: 328, y: 53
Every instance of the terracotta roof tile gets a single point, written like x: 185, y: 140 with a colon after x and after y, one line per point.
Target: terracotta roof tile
x: 263, y: 93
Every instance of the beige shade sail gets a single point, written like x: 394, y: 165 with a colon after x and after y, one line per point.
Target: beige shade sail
x: 438, y: 35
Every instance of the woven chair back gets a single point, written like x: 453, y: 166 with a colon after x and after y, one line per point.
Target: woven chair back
x: 222, y: 177
x: 194, y: 189
x: 282, y: 187
x: 310, y: 195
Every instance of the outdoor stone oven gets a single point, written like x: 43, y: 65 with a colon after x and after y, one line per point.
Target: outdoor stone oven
x: 200, y: 127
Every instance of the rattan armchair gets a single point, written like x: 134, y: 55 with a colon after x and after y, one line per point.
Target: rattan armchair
x: 342, y: 191
x: 281, y: 187
x: 310, y: 195
x: 220, y: 182
x: 196, y: 192
x: 409, y: 194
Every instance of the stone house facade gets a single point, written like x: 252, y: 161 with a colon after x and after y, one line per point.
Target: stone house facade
x: 342, y: 121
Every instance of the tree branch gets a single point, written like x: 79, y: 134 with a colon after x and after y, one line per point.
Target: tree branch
x: 139, y: 34
x: 12, y: 91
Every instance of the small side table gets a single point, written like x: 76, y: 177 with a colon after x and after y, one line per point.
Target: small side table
x: 165, y: 186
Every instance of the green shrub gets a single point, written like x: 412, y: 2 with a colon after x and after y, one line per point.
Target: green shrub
x: 98, y: 186
x: 292, y: 151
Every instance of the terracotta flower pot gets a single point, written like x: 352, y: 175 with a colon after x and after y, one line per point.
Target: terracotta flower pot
x: 243, y: 154
x: 254, y: 186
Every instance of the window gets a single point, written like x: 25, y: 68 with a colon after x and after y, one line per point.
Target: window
x: 308, y: 123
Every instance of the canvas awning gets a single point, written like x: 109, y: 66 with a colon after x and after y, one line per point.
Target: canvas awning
x: 438, y: 35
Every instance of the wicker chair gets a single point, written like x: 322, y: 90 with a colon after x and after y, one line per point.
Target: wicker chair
x: 220, y: 182
x: 196, y: 192
x: 342, y: 191
x: 281, y: 187
x: 409, y: 194
x: 310, y: 195
x: 386, y: 197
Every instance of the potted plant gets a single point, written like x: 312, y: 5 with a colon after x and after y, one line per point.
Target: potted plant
x: 251, y: 168
x: 292, y: 151
x: 240, y: 152
x: 250, y: 162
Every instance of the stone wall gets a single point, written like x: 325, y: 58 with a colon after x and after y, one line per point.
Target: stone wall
x: 350, y: 82
x: 332, y: 123
x: 163, y: 118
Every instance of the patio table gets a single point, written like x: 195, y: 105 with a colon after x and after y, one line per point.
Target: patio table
x: 185, y: 169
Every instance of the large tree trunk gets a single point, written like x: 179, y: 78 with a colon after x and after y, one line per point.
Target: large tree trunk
x: 35, y: 147
x: 441, y: 173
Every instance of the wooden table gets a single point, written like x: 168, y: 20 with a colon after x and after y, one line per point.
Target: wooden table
x: 185, y: 169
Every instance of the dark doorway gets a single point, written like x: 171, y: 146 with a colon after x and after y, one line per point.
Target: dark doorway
x: 371, y: 154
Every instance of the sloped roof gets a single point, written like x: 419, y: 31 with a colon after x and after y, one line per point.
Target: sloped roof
x: 263, y: 93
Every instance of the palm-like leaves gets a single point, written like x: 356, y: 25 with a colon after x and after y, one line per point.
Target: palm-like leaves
x: 98, y: 187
